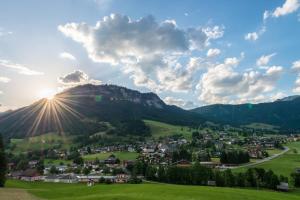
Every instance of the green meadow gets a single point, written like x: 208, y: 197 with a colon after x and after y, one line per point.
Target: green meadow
x: 284, y: 164
x: 143, y: 192
x: 159, y: 129
x: 41, y: 142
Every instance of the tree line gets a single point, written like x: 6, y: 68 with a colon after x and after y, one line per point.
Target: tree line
x: 201, y: 175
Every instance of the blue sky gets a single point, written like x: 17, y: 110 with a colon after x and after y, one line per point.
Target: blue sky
x: 42, y: 52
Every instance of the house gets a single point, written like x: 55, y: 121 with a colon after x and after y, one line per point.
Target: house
x: 111, y: 160
x: 283, y: 186
x: 95, y: 178
x: 122, y: 178
x: 31, y: 175
x: 211, y: 183
x: 33, y: 163
x: 182, y: 163
x: 68, y: 178
x: 52, y: 179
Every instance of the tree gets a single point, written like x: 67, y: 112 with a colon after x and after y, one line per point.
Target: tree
x: 78, y: 160
x: 296, y: 179
x: 3, y: 163
x: 86, y: 171
x: 53, y: 170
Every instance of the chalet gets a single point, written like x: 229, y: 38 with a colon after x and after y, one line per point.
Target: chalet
x: 33, y: 163
x: 110, y: 160
x: 122, y: 178
x: 52, y: 179
x: 31, y: 175
x: 211, y: 183
x: 68, y: 179
x: 283, y: 186
x: 96, y: 178
x: 182, y: 163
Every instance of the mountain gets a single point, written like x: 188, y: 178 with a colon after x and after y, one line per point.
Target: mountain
x: 284, y: 113
x: 79, y: 110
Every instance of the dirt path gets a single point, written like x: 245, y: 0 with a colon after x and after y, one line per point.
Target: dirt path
x: 15, y: 194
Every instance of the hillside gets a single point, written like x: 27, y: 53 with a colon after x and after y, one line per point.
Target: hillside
x: 284, y: 113
x: 80, y: 110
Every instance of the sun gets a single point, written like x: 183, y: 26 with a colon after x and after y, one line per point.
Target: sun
x: 47, y: 93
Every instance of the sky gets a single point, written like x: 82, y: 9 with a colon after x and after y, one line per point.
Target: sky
x: 191, y: 53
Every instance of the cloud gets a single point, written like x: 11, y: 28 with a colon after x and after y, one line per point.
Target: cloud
x: 66, y: 55
x: 213, y: 52
x: 147, y: 50
x: 179, y: 102
x: 21, y: 69
x: 77, y: 77
x: 297, y: 85
x: 4, y: 79
x: 289, y: 6
x: 264, y: 59
x: 255, y: 35
x: 223, y: 84
x: 296, y: 66
x: 3, y: 32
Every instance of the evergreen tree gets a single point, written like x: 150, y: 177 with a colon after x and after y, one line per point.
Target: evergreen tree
x: 3, y: 163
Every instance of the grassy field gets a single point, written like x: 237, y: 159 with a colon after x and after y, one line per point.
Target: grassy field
x: 120, y: 155
x: 159, y: 129
x: 143, y: 192
x: 41, y: 142
x: 285, y: 164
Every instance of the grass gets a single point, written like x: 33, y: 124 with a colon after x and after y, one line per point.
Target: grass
x: 262, y: 126
x: 159, y: 129
x: 284, y: 164
x: 41, y: 142
x: 120, y: 155
x: 144, y: 192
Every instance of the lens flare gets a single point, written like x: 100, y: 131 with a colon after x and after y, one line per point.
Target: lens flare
x: 48, y: 94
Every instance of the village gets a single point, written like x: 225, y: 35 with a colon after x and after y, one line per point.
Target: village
x: 206, y: 147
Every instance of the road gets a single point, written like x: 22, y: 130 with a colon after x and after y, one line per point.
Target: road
x: 286, y: 149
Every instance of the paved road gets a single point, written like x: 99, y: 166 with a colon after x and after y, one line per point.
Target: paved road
x: 286, y: 149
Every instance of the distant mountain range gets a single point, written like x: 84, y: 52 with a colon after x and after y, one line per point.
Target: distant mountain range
x: 284, y: 113
x: 79, y: 109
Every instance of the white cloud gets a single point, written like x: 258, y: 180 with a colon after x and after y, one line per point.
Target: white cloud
x: 147, y: 50
x: 264, y: 59
x: 4, y: 79
x: 3, y: 32
x: 297, y: 86
x: 251, y: 36
x: 66, y: 55
x: 179, y: 102
x: 255, y: 35
x: 223, y: 84
x: 77, y: 77
x: 213, y: 52
x: 21, y: 69
x: 289, y: 6
x: 296, y: 66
